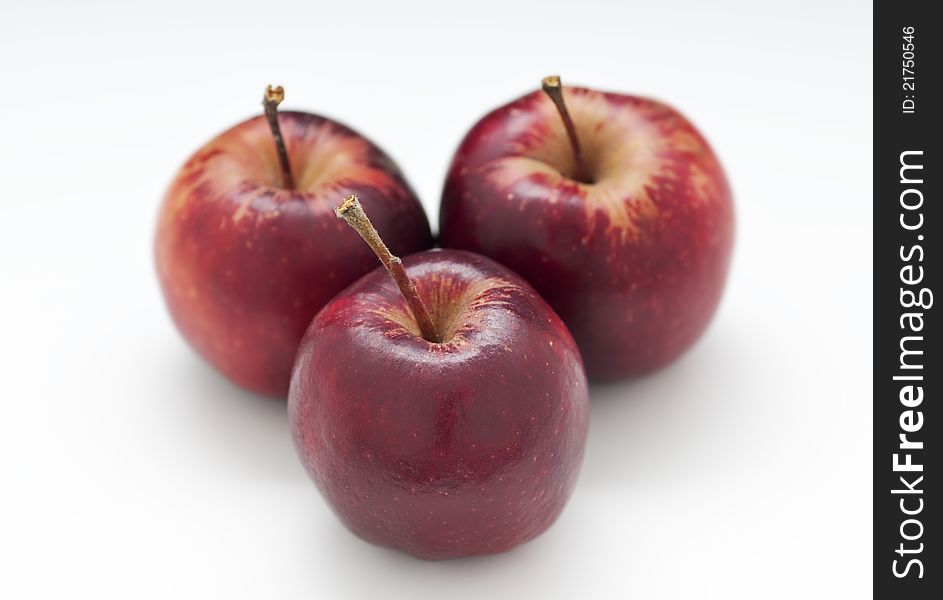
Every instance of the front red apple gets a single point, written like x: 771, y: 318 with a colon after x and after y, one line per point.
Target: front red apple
x: 245, y: 263
x: 466, y: 446
x: 630, y: 245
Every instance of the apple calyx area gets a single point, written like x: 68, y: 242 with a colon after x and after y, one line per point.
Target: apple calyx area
x: 352, y: 212
x: 553, y: 87
x: 270, y: 101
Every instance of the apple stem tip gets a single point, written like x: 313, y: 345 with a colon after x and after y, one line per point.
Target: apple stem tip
x: 270, y: 101
x: 352, y: 212
x: 553, y: 87
x: 274, y: 94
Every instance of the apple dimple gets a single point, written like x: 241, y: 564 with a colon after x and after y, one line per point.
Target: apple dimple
x: 627, y: 145
x: 455, y: 305
x: 324, y: 156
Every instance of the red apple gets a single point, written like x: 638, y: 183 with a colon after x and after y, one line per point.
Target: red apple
x: 624, y: 223
x: 246, y: 257
x: 463, y: 444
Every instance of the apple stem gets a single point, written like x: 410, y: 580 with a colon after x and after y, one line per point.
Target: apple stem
x: 553, y: 88
x: 273, y: 97
x: 351, y: 211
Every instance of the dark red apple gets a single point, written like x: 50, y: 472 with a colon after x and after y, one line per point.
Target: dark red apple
x: 248, y: 248
x: 462, y: 444
x: 624, y: 223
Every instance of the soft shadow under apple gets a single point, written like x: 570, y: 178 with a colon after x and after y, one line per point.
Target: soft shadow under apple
x: 249, y: 428
x: 662, y: 425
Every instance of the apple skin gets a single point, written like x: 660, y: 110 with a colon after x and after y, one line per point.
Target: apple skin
x: 634, y: 262
x: 245, y: 264
x: 471, y: 446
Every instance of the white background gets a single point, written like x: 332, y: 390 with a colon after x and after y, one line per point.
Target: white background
x: 130, y: 469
